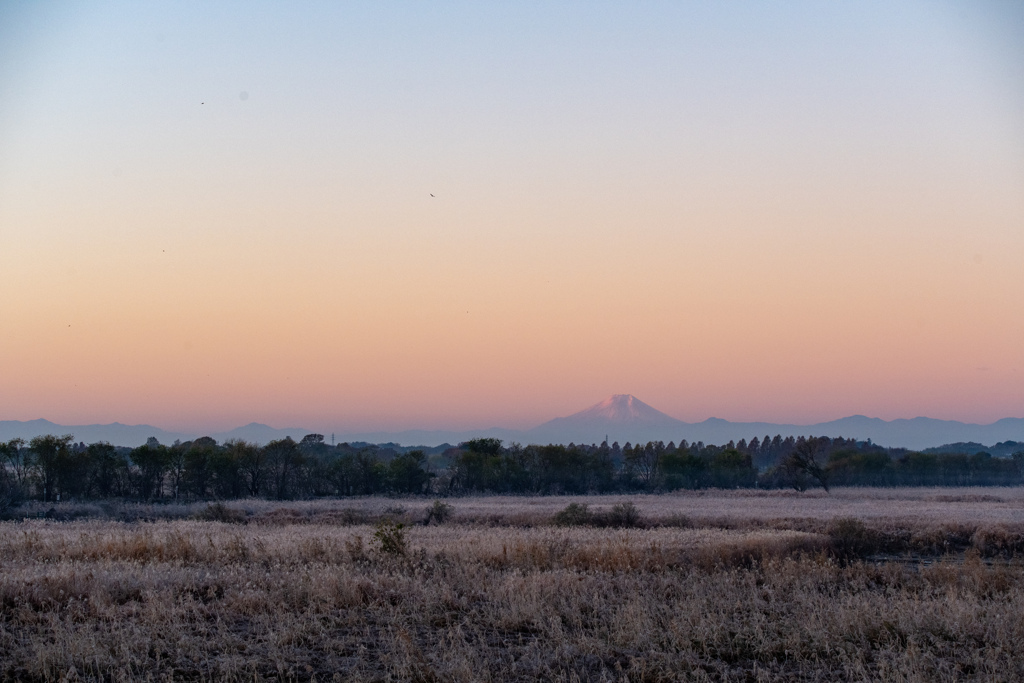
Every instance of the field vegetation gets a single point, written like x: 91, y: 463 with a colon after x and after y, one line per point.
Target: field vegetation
x: 861, y: 584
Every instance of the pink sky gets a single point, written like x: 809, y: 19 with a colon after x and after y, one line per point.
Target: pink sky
x: 782, y: 216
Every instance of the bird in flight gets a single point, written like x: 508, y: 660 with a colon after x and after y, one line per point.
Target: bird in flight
x: 431, y: 194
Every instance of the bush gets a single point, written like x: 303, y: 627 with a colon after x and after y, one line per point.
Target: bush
x: 677, y: 519
x: 390, y: 537
x: 624, y: 515
x: 574, y: 514
x: 351, y: 516
x: 439, y: 512
x: 850, y: 539
x: 997, y: 541
x: 578, y: 514
x: 218, y: 512
x: 10, y: 494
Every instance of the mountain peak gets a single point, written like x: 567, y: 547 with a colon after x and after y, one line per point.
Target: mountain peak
x: 623, y: 408
x: 621, y: 417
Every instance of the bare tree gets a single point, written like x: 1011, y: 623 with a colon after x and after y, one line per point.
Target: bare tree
x: 50, y: 454
x: 13, y: 459
x: 803, y: 465
x: 252, y: 461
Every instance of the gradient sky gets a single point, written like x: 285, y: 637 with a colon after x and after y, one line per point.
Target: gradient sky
x: 217, y: 213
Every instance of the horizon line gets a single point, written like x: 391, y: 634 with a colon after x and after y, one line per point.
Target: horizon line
x: 402, y: 430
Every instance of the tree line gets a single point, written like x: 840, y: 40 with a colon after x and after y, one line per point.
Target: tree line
x: 799, y: 463
x: 54, y: 468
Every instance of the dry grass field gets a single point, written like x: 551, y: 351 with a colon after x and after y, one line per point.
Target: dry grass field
x: 742, y: 586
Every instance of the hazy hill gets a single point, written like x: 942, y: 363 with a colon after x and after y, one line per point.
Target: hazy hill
x: 621, y: 418
x: 261, y: 433
x: 115, y: 432
x: 1004, y: 449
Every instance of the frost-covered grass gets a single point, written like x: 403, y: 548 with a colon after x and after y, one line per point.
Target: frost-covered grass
x: 709, y: 586
x: 967, y: 505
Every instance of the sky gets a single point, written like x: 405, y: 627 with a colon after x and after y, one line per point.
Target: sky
x: 372, y: 215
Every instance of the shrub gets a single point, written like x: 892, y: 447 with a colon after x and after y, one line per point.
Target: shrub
x: 351, y: 516
x: 850, y: 539
x: 390, y: 537
x: 677, y: 519
x: 10, y: 494
x: 438, y: 512
x: 997, y: 541
x: 578, y: 514
x: 574, y: 514
x: 624, y: 515
x: 218, y: 512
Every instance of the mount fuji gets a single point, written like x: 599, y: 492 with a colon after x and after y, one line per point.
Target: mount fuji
x: 621, y: 417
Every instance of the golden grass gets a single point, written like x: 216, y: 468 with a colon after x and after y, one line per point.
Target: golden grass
x: 279, y: 600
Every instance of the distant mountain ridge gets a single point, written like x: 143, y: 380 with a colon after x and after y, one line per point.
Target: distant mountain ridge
x: 115, y: 432
x: 136, y: 435
x: 621, y: 417
x: 916, y: 433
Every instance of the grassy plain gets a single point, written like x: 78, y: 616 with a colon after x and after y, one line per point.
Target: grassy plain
x: 868, y: 584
